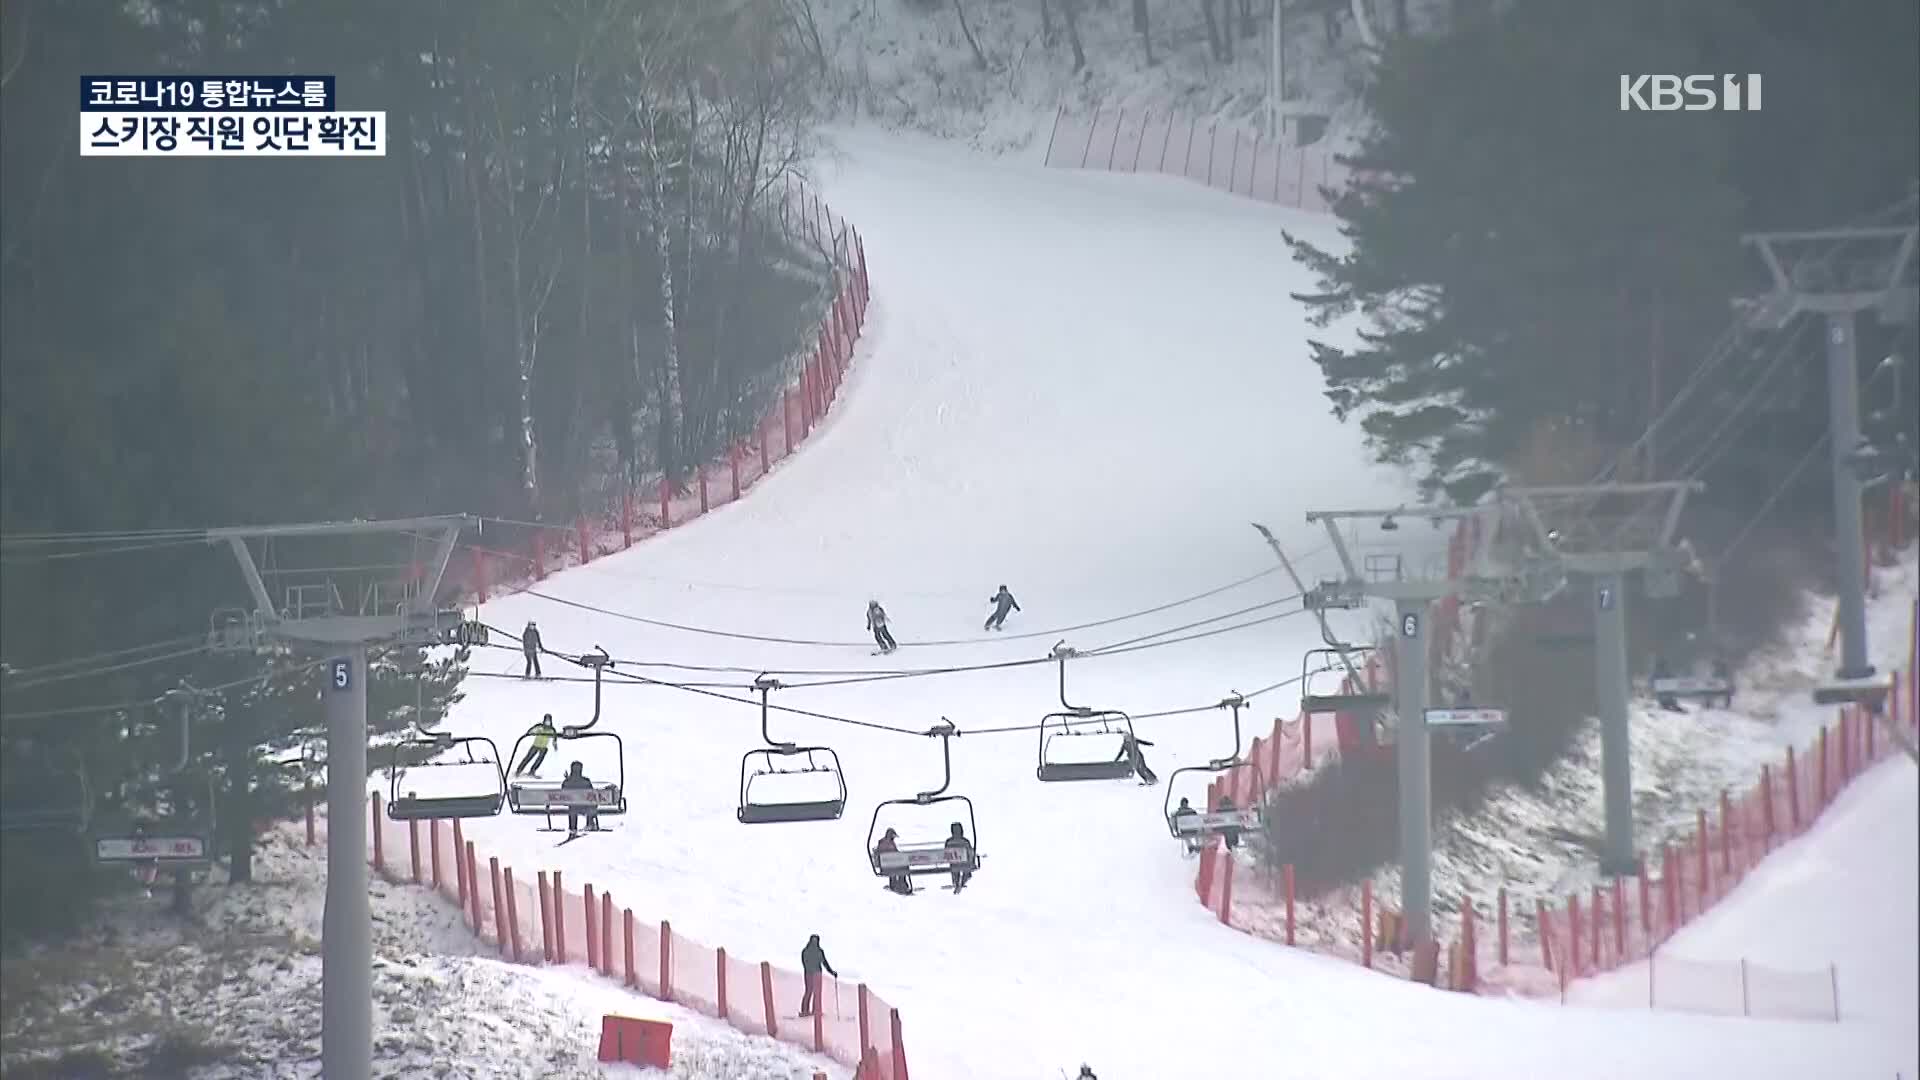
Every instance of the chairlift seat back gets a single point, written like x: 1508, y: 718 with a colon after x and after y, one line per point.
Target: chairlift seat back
x: 769, y: 813
x: 416, y: 808
x: 174, y: 849
x: 34, y: 818
x: 1345, y: 703
x: 1218, y: 821
x: 1691, y: 686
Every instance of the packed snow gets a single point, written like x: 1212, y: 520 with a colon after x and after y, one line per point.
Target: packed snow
x: 1082, y: 386
x: 234, y: 992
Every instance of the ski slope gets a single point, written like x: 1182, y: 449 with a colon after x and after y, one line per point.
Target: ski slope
x: 1084, y: 387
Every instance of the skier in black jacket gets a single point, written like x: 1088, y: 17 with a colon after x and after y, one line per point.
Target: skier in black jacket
x: 1130, y: 752
x: 1002, y: 602
x: 877, y: 622
x: 812, y: 959
x: 530, y: 645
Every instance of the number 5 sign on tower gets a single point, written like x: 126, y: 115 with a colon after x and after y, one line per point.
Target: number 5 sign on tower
x: 342, y: 674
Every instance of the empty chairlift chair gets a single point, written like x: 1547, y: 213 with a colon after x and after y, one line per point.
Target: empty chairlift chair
x: 1081, y: 743
x: 475, y: 802
x: 759, y: 768
x: 1343, y: 698
x: 933, y: 855
x: 43, y: 794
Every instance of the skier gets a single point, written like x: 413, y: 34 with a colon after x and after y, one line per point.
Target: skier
x: 1661, y: 670
x: 576, y: 780
x: 877, y: 622
x: 1002, y: 601
x: 530, y: 645
x: 543, y: 733
x: 890, y: 842
x: 812, y: 959
x: 1186, y: 810
x: 959, y: 851
x: 1130, y: 752
x: 1232, y: 834
x: 1086, y: 1073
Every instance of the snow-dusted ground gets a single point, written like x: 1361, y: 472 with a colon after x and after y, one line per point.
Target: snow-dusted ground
x: 1082, y: 386
x: 235, y: 993
x: 1846, y: 894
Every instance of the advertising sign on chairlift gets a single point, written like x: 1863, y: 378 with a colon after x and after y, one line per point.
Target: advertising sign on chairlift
x: 1466, y: 717
x: 1683, y: 686
x: 158, y: 848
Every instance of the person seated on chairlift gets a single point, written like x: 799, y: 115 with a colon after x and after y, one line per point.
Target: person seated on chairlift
x: 1723, y: 671
x: 959, y: 852
x: 1186, y: 810
x: 1662, y: 670
x: 890, y: 842
x: 576, y: 780
x: 1130, y: 752
x: 1232, y: 832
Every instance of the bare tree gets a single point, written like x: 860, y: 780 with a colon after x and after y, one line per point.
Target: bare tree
x: 960, y: 13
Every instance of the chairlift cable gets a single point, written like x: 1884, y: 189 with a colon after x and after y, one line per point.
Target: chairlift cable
x: 122, y: 666
x: 115, y: 654
x: 143, y: 703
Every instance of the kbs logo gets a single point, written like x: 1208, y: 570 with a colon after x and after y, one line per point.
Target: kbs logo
x: 1691, y: 93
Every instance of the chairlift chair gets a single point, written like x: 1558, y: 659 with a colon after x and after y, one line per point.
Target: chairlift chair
x: 767, y: 761
x: 546, y: 797
x: 926, y: 857
x: 1347, y: 699
x: 180, y: 840
x: 1193, y: 827
x: 1468, y: 726
x: 1079, y: 722
x: 411, y: 807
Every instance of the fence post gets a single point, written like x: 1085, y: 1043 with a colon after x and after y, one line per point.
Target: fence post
x: 720, y: 976
x: 1833, y: 980
x: 1543, y: 925
x: 586, y: 540
x: 513, y: 915
x: 1669, y: 891
x: 899, y: 1046
x: 1226, y: 893
x: 1146, y: 119
x: 413, y: 848
x: 1503, y: 925
x: 1619, y: 922
x: 866, y: 1030
x: 1286, y: 877
x: 1703, y: 841
x: 593, y: 926
x: 1766, y: 806
x: 1233, y: 170
x: 606, y: 934
x: 766, y: 1000
x: 473, y: 892
x: 1746, y: 1006
x: 626, y: 518
x: 546, y: 920
x: 379, y: 855
x: 702, y: 472
x: 1646, y: 904
x: 1573, y: 937
x: 1165, y: 140
x: 820, y: 1016
x: 1793, y: 792
x: 733, y: 463
x: 1596, y: 918
x: 1366, y: 923
x: 1113, y: 145
x: 1821, y: 783
x: 499, y: 905
x: 666, y: 503
x: 1726, y: 835
x: 459, y: 866
x: 1213, y: 130
x: 559, y: 922
x: 766, y: 437
x: 630, y: 977
x: 666, y: 960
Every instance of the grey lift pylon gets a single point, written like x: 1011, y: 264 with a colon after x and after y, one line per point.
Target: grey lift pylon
x: 1600, y: 533
x: 1855, y: 270
x: 1413, y: 596
x: 312, y: 615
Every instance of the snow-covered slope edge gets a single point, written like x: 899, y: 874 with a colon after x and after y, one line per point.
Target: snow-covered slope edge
x: 236, y: 993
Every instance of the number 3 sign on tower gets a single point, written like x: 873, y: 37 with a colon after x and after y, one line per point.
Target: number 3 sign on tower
x: 342, y: 674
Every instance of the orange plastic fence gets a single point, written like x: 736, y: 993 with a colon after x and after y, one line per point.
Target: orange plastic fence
x: 632, y: 515
x: 587, y: 926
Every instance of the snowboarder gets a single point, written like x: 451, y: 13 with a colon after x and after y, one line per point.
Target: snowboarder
x: 1002, y: 602
x: 1131, y: 753
x: 959, y: 851
x: 576, y: 780
x: 877, y: 622
x: 890, y: 842
x: 530, y: 645
x: 812, y: 959
x: 543, y: 733
x: 1232, y: 834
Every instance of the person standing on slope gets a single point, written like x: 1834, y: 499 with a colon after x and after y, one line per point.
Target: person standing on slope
x: 812, y: 959
x: 1002, y: 602
x: 530, y: 646
x: 877, y: 622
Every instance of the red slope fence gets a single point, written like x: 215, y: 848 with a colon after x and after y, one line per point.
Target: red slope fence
x: 1225, y: 158
x: 1625, y: 921
x: 481, y: 570
x: 545, y: 921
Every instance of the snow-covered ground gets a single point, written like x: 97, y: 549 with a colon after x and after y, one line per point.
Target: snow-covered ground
x: 235, y: 993
x: 1846, y: 894
x: 1082, y: 386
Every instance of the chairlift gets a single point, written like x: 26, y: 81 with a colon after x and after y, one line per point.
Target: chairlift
x: 1467, y: 725
x: 1194, y: 826
x: 1081, y: 722
x: 931, y: 856
x: 179, y: 840
x: 545, y: 797
x: 771, y: 761
x: 1348, y: 698
x: 54, y: 800
x: 412, y: 807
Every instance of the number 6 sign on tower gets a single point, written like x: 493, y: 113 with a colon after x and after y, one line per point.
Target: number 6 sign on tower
x: 1410, y: 625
